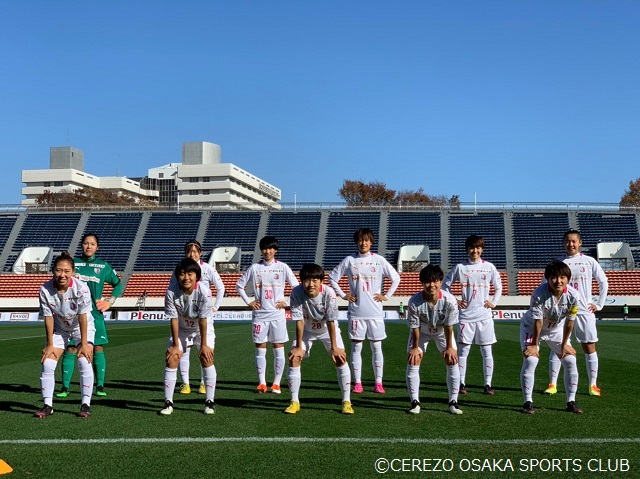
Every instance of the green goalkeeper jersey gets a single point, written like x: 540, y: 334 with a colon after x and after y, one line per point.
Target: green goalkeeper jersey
x: 96, y: 272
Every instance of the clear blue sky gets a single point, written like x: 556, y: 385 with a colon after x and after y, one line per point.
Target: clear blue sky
x: 513, y: 100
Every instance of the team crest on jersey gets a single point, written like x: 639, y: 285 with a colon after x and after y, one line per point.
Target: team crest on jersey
x: 96, y: 270
x: 484, y: 277
x: 583, y: 269
x: 441, y: 315
x: 73, y: 306
x: 276, y: 276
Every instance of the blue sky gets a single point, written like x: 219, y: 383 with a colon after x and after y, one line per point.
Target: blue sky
x: 511, y: 100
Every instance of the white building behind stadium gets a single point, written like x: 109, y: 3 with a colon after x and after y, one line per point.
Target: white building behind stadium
x: 201, y: 180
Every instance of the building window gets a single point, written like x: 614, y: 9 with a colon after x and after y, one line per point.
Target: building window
x: 161, y: 175
x: 47, y: 184
x: 57, y: 183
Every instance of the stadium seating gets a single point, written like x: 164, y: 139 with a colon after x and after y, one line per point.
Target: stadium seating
x: 489, y: 225
x: 537, y: 238
x: 534, y: 239
x: 117, y: 232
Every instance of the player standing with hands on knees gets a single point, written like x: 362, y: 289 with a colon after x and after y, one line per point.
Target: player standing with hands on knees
x: 551, y: 316
x: 431, y: 315
x: 314, y: 308
x: 187, y: 305
x: 65, y: 305
x: 366, y: 272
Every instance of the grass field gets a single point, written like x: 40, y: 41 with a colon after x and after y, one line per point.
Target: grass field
x: 249, y: 436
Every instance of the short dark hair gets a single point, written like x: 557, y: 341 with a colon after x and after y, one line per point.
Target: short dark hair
x: 473, y: 241
x: 64, y: 256
x: 431, y: 272
x: 187, y: 265
x: 311, y: 271
x: 86, y: 235
x: 269, y: 242
x: 191, y: 244
x: 571, y: 232
x: 363, y: 233
x: 556, y: 269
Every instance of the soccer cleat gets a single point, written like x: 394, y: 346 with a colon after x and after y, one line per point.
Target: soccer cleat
x: 64, y: 392
x: 357, y: 388
x: 454, y: 408
x: 528, y: 408
x: 167, y: 409
x: 185, y: 388
x: 44, y: 412
x: 347, y: 408
x: 552, y: 389
x: 275, y: 389
x: 594, y: 390
x: 573, y: 407
x: 262, y: 388
x: 293, y: 408
x: 85, y: 411
x: 488, y: 390
x: 377, y: 388
x: 463, y: 389
x: 209, y: 407
x: 100, y: 391
x: 202, y: 389
x: 415, y: 407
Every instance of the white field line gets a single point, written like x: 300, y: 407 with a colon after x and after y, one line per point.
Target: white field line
x: 291, y: 440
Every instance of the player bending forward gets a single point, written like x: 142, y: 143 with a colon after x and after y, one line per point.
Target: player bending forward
x: 431, y: 315
x: 188, y: 305
x: 551, y: 316
x: 313, y: 307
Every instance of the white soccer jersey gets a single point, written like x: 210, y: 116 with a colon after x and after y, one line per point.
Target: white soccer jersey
x: 210, y: 276
x: 65, y: 307
x: 550, y: 310
x: 268, y: 281
x: 315, y: 312
x: 583, y: 269
x: 366, y: 275
x: 189, y: 308
x: 427, y: 317
x: 476, y: 280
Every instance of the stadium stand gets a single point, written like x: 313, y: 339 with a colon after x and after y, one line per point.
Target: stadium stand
x: 231, y: 228
x: 526, y: 242
x: 163, y: 243
x: 340, y: 229
x: 489, y: 225
x: 117, y: 233
x: 537, y: 238
x: 297, y: 233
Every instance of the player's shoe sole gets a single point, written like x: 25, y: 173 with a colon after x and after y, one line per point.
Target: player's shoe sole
x: 293, y: 408
x: 573, y: 408
x: 347, y: 408
x: 378, y: 389
x: 167, y: 409
x: 528, y: 408
x: 63, y: 393
x: 101, y: 392
x: 275, y: 389
x: 85, y: 411
x: 44, y: 412
x: 209, y: 408
x: 453, y: 408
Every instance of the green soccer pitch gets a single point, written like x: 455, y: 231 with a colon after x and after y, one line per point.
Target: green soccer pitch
x: 249, y: 436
